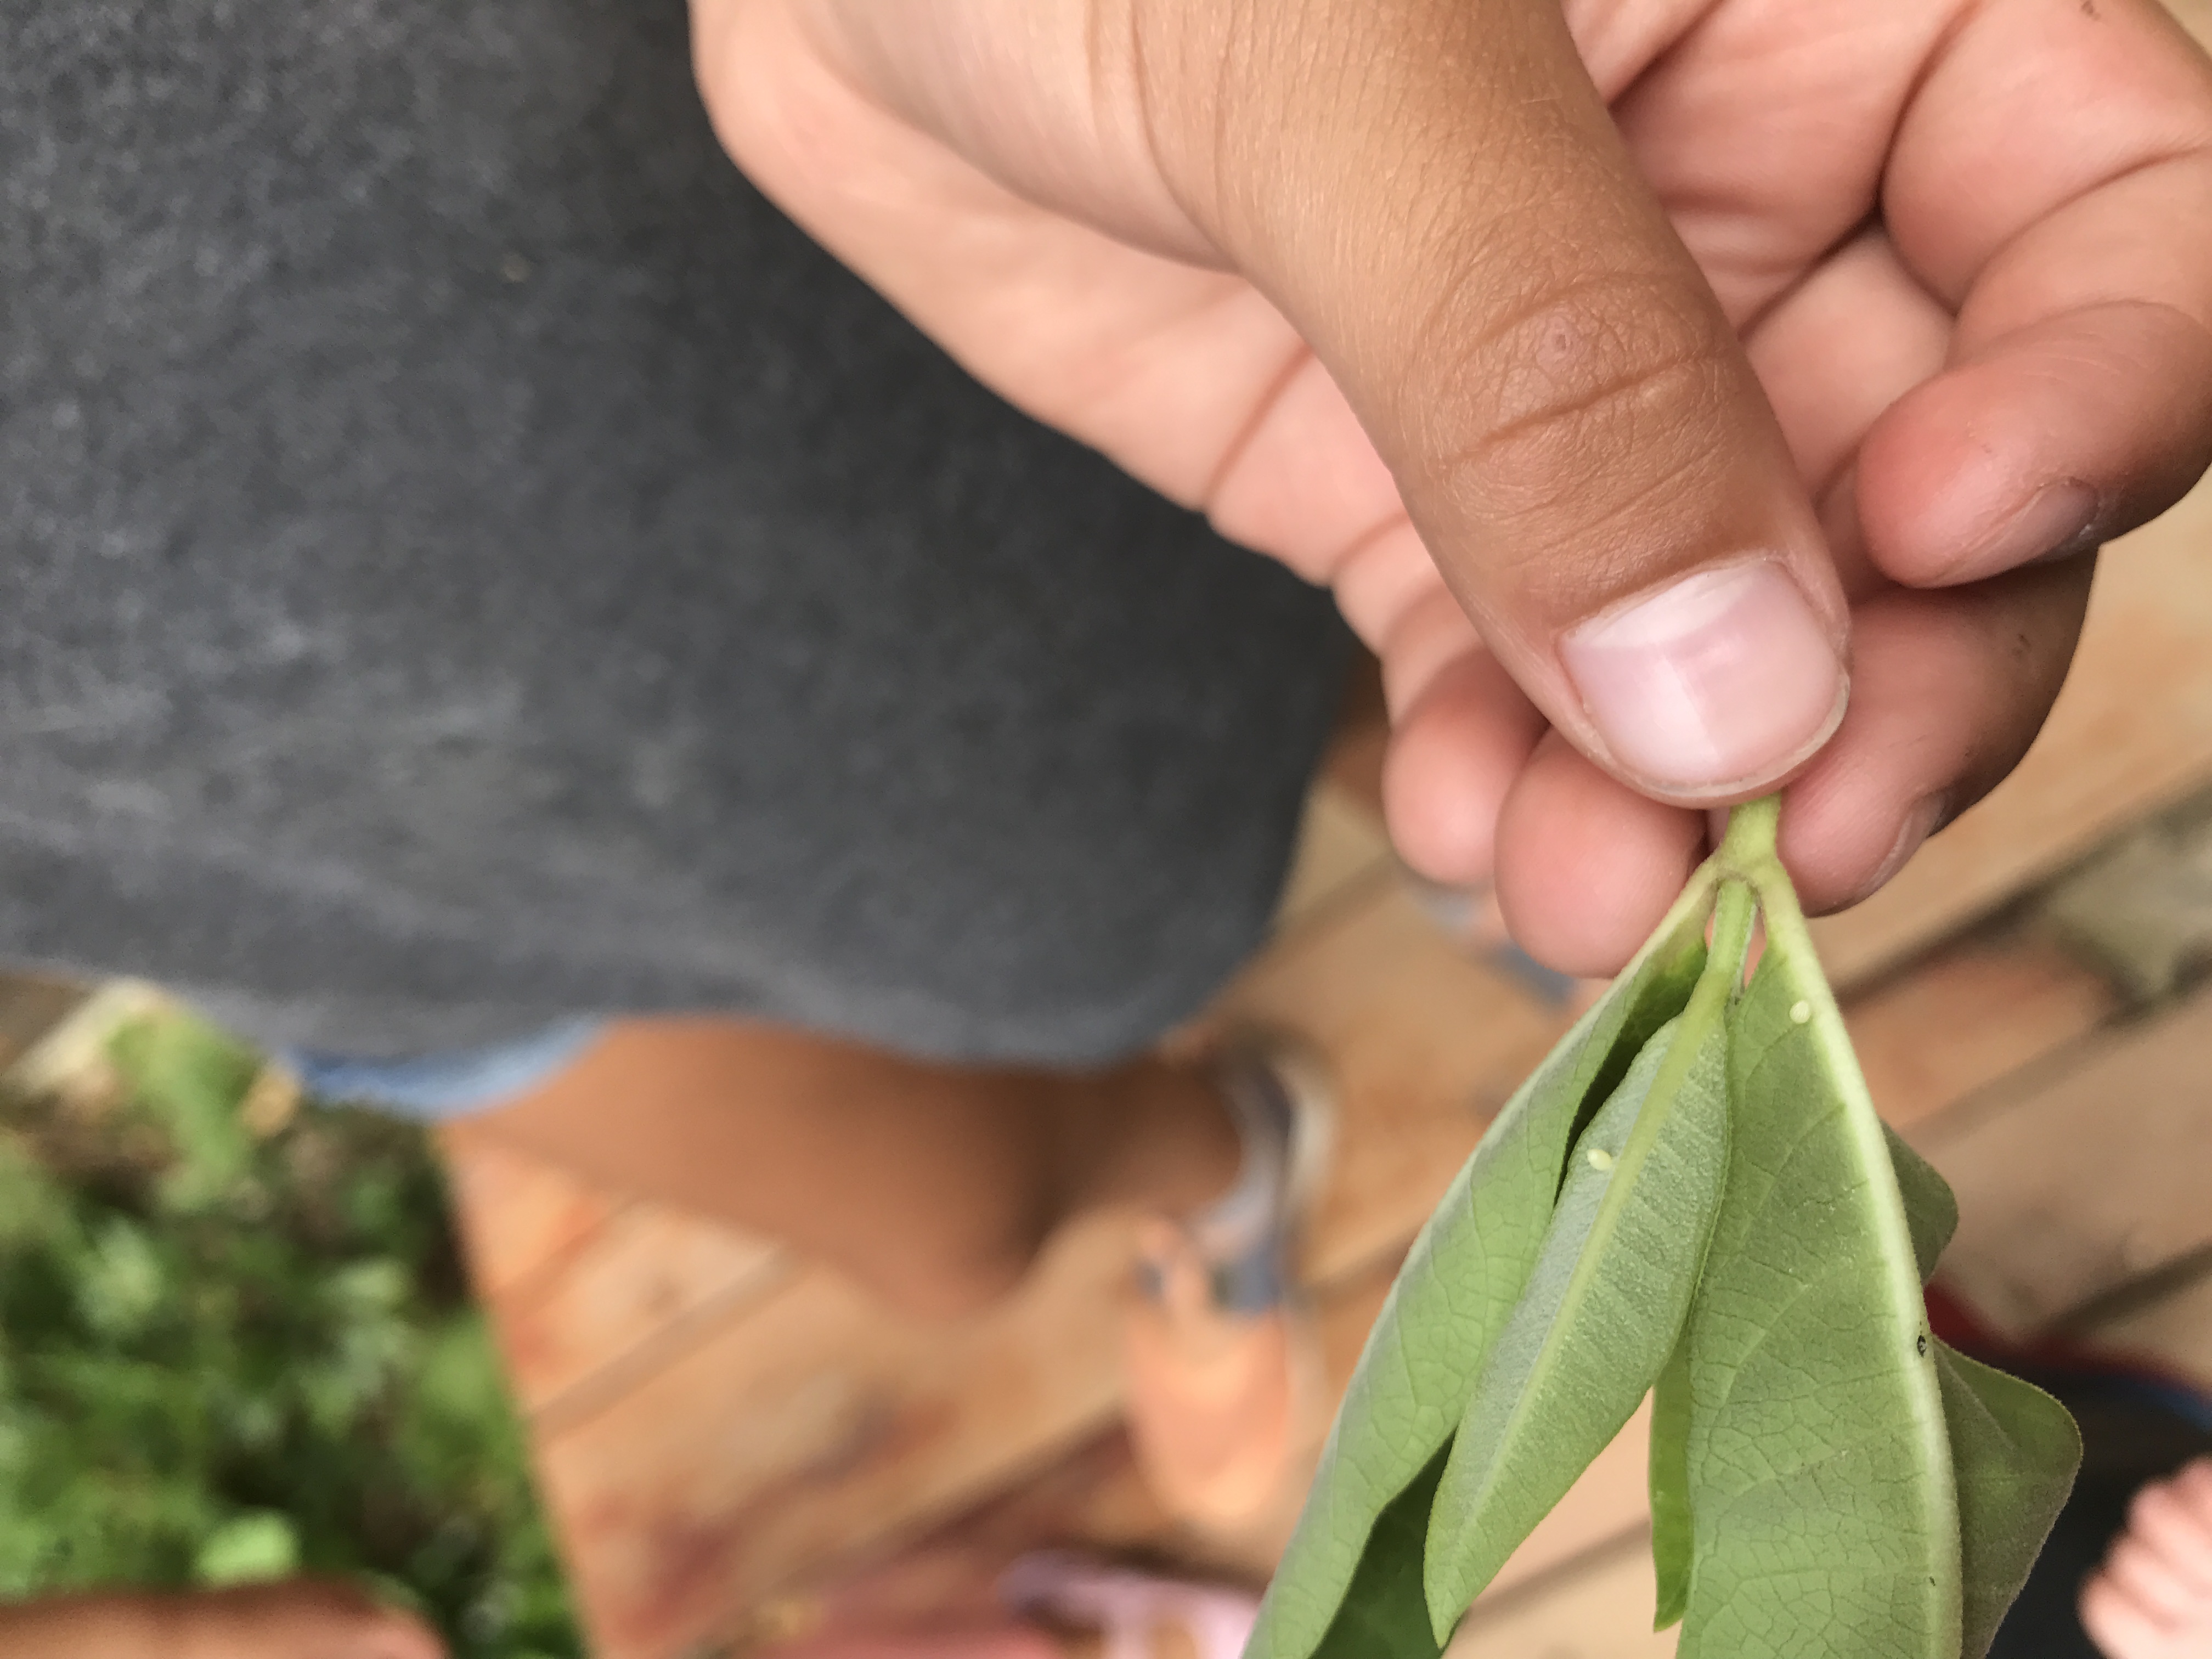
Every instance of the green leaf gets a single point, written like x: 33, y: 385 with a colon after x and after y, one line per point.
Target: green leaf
x: 1460, y: 1281
x: 256, y: 1547
x: 1384, y: 1611
x: 165, y: 1366
x: 1825, y: 1518
x: 2014, y: 1451
x: 1735, y: 1230
x: 1931, y: 1209
x: 124, y: 1282
x: 1671, y: 1546
x: 1603, y: 1306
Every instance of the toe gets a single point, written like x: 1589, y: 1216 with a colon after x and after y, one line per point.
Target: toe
x: 2193, y: 1487
x: 2166, y: 1522
x: 2139, y: 1571
x: 2119, y: 1626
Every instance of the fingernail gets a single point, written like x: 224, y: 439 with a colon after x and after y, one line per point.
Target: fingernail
x: 2056, y: 517
x: 1723, y: 681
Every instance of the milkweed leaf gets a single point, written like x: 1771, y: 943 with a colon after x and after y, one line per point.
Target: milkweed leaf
x: 1460, y: 1281
x: 1673, y: 1548
x: 1821, y: 1487
x: 1931, y: 1209
x: 1691, y: 1196
x: 1602, y: 1312
x: 2014, y: 1451
x: 1384, y: 1610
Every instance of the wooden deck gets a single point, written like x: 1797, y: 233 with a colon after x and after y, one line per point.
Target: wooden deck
x: 736, y: 1443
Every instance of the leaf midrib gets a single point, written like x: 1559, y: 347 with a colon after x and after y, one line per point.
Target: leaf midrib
x: 1905, y: 1309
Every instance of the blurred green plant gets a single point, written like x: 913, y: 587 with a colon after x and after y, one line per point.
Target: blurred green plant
x: 237, y: 1345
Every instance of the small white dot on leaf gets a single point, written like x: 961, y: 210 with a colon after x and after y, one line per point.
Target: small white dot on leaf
x: 1599, y: 1158
x: 1800, y: 1012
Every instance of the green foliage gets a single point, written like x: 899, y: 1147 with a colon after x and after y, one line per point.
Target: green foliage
x: 225, y: 1358
x: 1461, y: 1281
x: 1672, y: 1538
x: 1693, y: 1196
x: 254, y: 1547
x: 2009, y: 1442
x: 1599, y: 1314
x: 1385, y: 1610
x: 1820, y: 1489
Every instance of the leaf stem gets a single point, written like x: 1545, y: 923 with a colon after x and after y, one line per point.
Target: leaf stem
x: 1735, y: 907
x: 1748, y: 846
x: 1733, y: 911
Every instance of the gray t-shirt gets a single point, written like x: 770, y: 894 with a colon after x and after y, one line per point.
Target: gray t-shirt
x: 465, y: 559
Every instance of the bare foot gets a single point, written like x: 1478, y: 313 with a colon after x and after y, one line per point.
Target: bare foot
x: 298, y: 1620
x: 1222, y: 1398
x: 2153, y: 1597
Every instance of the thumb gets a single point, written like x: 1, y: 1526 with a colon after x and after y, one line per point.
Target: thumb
x: 1435, y: 194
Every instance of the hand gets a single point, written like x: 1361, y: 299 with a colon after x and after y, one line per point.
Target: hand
x: 1637, y: 377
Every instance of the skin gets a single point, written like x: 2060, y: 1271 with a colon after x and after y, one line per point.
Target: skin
x: 301, y: 1619
x: 2153, y: 1597
x: 934, y: 1186
x: 1494, y: 316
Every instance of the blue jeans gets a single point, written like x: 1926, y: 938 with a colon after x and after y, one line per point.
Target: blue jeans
x: 435, y: 1087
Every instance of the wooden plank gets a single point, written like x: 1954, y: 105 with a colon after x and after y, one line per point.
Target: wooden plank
x: 1361, y: 742
x: 1092, y: 1501
x: 815, y: 1426
x: 517, y: 1213
x: 32, y: 1007
x: 1340, y: 844
x: 2091, y: 1179
x: 2141, y: 909
x: 2131, y: 732
x: 72, y: 1053
x: 648, y: 1279
x: 1975, y: 1012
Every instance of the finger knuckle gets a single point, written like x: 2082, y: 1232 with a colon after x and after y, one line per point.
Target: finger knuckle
x: 1589, y: 396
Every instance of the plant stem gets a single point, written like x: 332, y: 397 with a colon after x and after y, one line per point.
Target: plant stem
x: 1748, y: 846
x: 1733, y: 911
